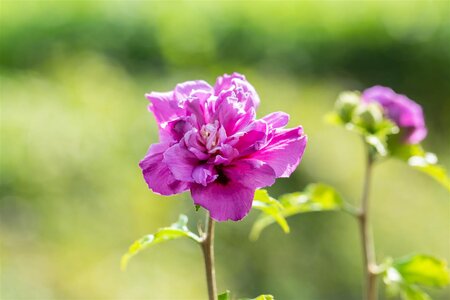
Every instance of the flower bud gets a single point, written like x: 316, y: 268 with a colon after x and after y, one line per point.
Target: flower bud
x: 368, y: 116
x: 346, y: 105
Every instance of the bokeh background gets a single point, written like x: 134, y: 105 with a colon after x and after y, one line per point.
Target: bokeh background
x: 74, y: 126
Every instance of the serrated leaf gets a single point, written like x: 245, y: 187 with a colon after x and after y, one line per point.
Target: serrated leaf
x: 412, y: 292
x: 423, y: 270
x: 175, y: 231
x: 227, y: 296
x: 224, y: 296
x: 416, y: 157
x: 316, y: 197
x: 271, y: 208
x: 404, y: 276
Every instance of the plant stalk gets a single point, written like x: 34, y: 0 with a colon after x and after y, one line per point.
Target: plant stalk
x: 366, y: 234
x: 208, y: 255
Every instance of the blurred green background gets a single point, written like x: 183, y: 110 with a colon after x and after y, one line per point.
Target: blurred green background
x: 74, y: 125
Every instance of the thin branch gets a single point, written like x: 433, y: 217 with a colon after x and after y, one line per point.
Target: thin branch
x: 208, y: 255
x: 366, y: 234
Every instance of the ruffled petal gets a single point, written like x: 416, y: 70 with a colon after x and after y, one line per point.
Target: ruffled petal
x: 284, y: 151
x: 186, y: 89
x: 232, y: 116
x: 253, y: 139
x: 232, y: 201
x: 230, y: 197
x: 277, y: 119
x: 380, y: 94
x: 164, y: 107
x: 251, y: 173
x: 204, y: 174
x: 181, y: 162
x: 156, y: 173
x: 242, y: 89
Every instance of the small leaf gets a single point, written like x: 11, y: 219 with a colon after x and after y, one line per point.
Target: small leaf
x: 272, y: 210
x: 260, y: 297
x: 316, y: 197
x: 175, y: 231
x: 224, y: 296
x: 412, y: 292
x: 416, y: 157
x: 424, y: 270
x: 405, y: 276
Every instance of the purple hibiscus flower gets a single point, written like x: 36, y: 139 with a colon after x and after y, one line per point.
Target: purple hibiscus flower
x: 212, y: 144
x: 407, y: 114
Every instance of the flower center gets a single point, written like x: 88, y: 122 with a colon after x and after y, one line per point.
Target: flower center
x: 210, y: 136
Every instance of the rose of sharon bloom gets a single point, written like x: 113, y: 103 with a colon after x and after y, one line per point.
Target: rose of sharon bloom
x: 212, y: 144
x: 406, y: 113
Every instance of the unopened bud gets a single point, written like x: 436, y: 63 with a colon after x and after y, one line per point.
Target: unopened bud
x: 346, y: 104
x: 369, y: 116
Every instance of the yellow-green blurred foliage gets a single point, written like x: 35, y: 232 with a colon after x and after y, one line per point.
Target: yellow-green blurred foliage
x: 74, y: 126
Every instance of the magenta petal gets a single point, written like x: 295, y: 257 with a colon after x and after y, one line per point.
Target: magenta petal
x: 277, y: 119
x: 284, y: 152
x: 251, y: 173
x: 232, y: 116
x: 253, y: 139
x: 381, y: 94
x: 230, y: 196
x: 164, y: 107
x: 232, y: 201
x: 241, y: 88
x: 157, y: 174
x: 225, y: 82
x: 181, y: 162
x: 415, y: 135
x: 204, y: 174
x: 406, y: 113
x: 186, y: 89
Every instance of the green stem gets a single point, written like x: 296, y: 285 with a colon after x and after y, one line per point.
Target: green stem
x: 208, y: 255
x: 366, y: 234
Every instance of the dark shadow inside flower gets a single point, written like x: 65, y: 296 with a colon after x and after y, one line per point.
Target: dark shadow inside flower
x: 222, y: 178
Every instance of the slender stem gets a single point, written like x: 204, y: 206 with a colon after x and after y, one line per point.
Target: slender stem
x: 208, y: 255
x: 366, y: 234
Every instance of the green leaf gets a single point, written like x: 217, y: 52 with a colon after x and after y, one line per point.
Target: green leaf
x: 225, y: 296
x: 272, y: 210
x: 260, y: 297
x: 416, y: 157
x: 423, y: 269
x: 175, y: 231
x: 316, y: 197
x: 411, y: 292
x: 405, y: 276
